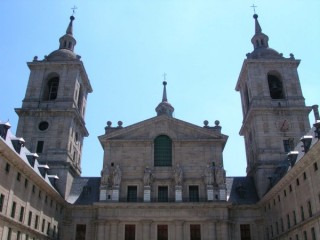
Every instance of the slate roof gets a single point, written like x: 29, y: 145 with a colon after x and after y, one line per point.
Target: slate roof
x: 241, y: 190
x: 36, y: 168
x: 84, y: 191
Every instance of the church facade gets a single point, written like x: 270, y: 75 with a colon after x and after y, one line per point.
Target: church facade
x: 162, y: 178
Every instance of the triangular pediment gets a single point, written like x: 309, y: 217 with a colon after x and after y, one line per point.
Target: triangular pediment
x: 163, y: 125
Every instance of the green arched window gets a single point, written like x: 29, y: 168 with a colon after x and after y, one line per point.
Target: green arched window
x: 163, y: 151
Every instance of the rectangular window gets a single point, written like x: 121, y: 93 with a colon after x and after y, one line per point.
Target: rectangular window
x: 277, y: 227
x: 290, y: 188
x: 288, y: 221
x: 54, y: 231
x: 48, y: 229
x: 285, y: 193
x: 313, y: 234
x: 305, y: 237
x: 29, y: 218
x: 132, y: 194
x: 302, y: 213
x: 195, y: 232
x: 36, y: 222
x: 315, y: 166
x: 294, y: 218
x: 304, y: 176
x: 18, y: 176
x: 193, y: 193
x: 7, y: 168
x: 81, y: 232
x: 18, y: 235
x: 130, y: 232
x: 297, y: 237
x: 288, y: 145
x: 9, y: 234
x: 282, y: 225
x: 26, y: 183
x: 43, y: 225
x: 39, y: 148
x: 13, y: 209
x: 297, y: 181
x: 309, y: 209
x: 33, y: 188
x: 162, y: 194
x: 1, y: 202
x: 162, y: 232
x: 21, y: 214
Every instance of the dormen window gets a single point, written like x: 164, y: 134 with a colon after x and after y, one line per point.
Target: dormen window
x: 275, y: 87
x: 51, y: 90
x: 163, y: 151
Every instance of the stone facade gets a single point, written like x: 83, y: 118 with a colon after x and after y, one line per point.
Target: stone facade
x: 161, y: 178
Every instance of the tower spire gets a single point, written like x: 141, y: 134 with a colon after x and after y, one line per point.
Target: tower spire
x: 66, y: 46
x: 164, y: 108
x: 260, y: 43
x: 70, y: 27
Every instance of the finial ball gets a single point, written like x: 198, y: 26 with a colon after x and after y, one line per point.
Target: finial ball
x: 255, y: 16
x: 109, y: 123
x: 72, y: 18
x: 164, y: 83
x: 217, y: 122
x: 205, y: 122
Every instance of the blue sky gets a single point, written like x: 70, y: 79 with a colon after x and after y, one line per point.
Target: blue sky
x: 127, y: 45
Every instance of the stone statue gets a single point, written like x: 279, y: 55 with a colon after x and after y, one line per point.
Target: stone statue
x: 117, y: 176
x: 178, y: 175
x: 208, y: 175
x: 147, y: 176
x: 221, y: 175
x: 105, y: 174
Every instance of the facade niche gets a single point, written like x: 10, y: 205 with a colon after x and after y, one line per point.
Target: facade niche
x: 275, y: 87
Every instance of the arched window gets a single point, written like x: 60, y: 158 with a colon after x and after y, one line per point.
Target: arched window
x: 51, y: 90
x: 275, y: 87
x: 163, y: 151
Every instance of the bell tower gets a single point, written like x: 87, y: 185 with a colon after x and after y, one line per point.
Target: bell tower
x: 274, y: 112
x: 51, y: 118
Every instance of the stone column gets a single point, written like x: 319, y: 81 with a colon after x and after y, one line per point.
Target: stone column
x: 211, y: 233
x: 223, y: 232
x: 178, y: 194
x: 103, y: 194
x: 100, y: 230
x: 114, y: 230
x: 107, y: 231
x: 210, y: 192
x: 146, y: 230
x: 115, y: 194
x: 146, y: 194
x: 179, y: 230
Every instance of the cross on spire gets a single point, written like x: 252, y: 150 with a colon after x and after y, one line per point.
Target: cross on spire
x: 254, y: 8
x: 74, y: 8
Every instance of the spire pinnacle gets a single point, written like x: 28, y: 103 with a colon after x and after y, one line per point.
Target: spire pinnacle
x: 257, y: 25
x: 164, y: 108
x: 70, y: 27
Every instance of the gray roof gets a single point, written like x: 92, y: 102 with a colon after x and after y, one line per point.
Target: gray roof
x: 84, y: 191
x: 241, y: 190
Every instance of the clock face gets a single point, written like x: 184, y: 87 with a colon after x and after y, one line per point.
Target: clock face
x: 283, y: 125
